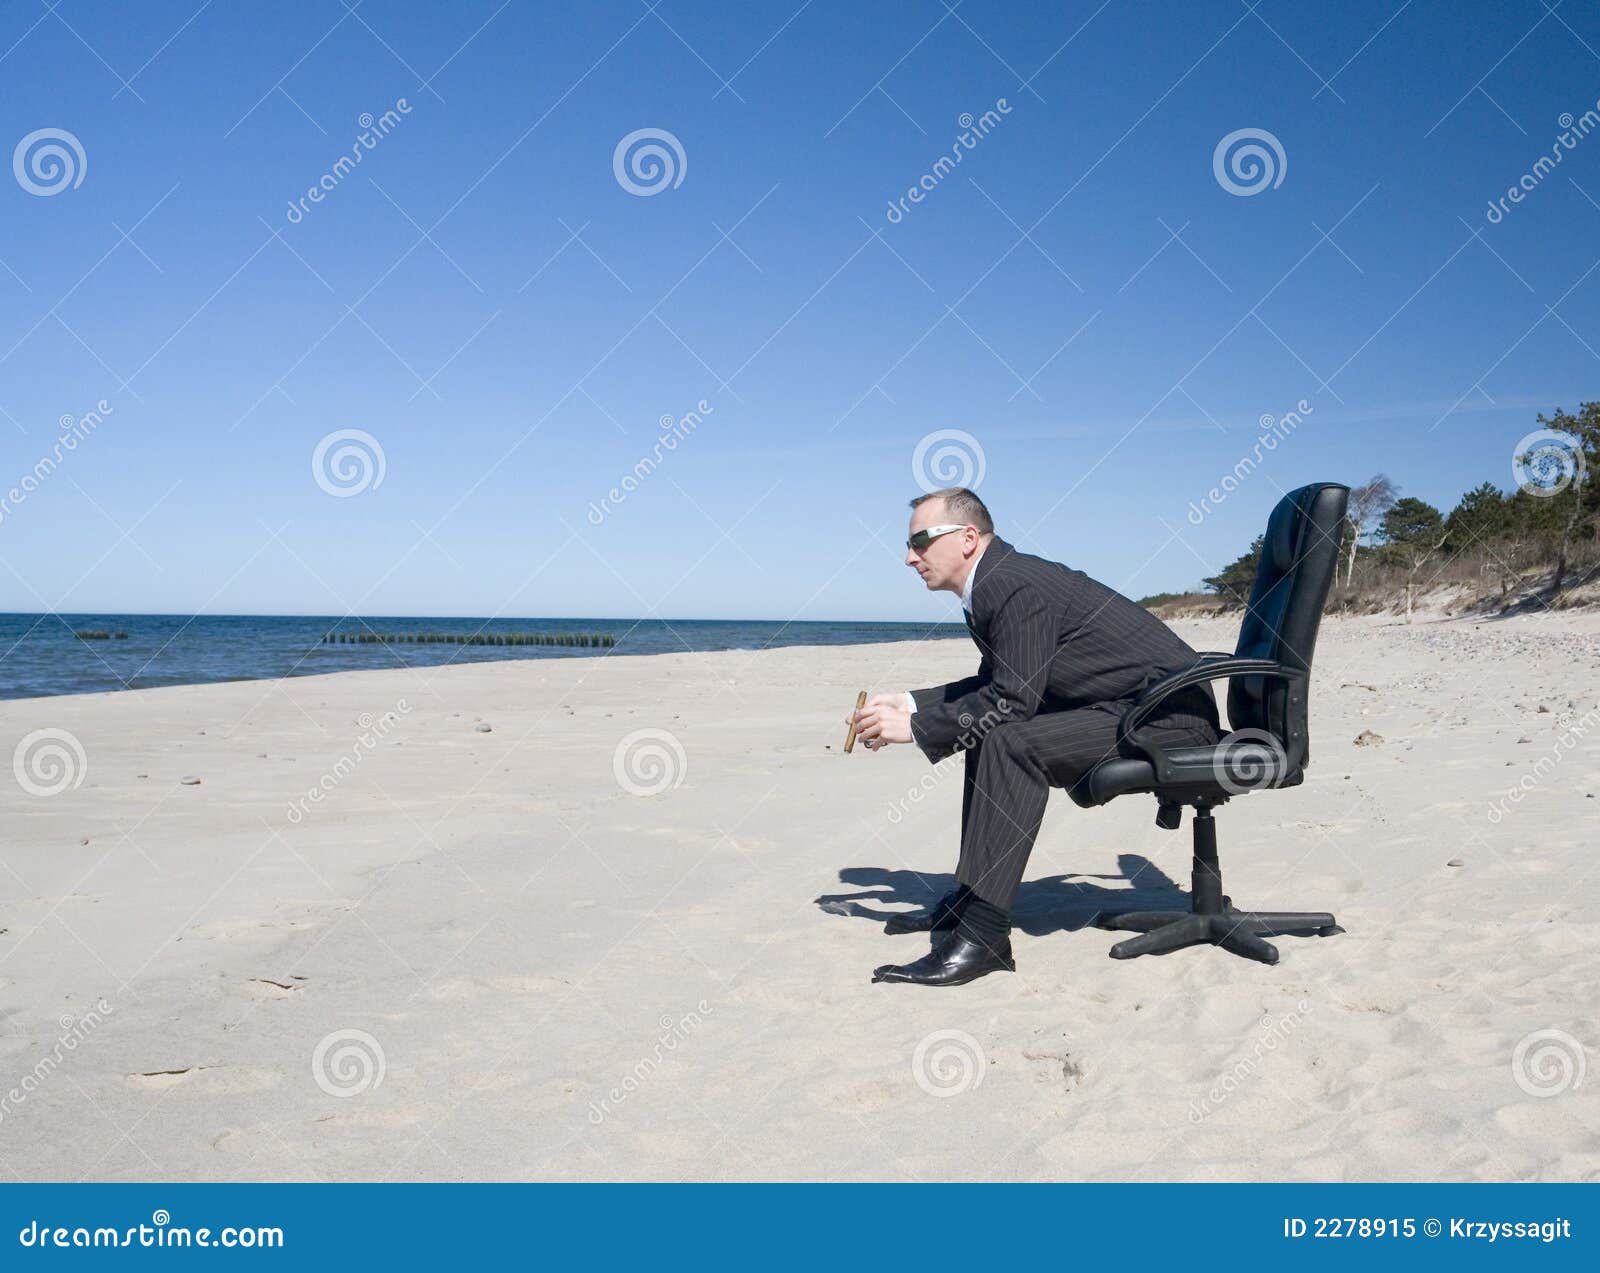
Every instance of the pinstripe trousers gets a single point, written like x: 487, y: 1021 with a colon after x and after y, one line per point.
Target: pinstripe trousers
x: 1010, y: 772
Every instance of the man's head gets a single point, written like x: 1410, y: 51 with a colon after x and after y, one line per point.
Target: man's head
x: 945, y: 558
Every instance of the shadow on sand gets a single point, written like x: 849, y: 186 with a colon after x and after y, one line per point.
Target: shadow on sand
x: 1055, y: 904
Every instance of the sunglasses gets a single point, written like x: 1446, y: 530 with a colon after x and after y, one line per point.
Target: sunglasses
x: 920, y: 540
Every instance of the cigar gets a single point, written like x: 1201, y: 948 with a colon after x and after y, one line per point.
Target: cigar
x: 850, y: 738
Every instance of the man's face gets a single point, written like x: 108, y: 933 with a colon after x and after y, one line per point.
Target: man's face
x: 942, y: 562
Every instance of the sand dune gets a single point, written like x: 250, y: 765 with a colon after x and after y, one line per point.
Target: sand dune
x: 626, y: 933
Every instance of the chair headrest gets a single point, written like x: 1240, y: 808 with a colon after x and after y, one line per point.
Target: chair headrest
x: 1278, y: 548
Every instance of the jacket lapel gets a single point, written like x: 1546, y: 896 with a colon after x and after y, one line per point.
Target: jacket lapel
x: 991, y: 555
x: 997, y: 549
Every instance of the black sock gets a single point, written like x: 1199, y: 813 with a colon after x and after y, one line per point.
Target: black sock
x: 948, y: 908
x: 983, y: 922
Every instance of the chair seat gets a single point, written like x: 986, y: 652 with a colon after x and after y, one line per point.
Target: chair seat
x: 1230, y: 768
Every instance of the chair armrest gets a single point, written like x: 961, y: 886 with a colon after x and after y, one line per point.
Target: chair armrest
x: 1209, y: 667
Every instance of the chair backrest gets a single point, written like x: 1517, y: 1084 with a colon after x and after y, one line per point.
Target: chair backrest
x: 1299, y: 555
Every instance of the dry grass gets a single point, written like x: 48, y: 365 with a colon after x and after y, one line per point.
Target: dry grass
x: 1511, y: 578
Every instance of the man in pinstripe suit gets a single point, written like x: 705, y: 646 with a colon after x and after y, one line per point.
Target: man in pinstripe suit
x: 1062, y: 657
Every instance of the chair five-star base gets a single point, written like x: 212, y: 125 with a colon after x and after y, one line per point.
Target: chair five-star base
x: 1213, y: 918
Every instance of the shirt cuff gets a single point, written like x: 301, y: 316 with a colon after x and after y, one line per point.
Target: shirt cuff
x: 911, y: 703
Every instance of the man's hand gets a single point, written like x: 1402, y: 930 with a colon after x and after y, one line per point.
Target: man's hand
x: 882, y: 721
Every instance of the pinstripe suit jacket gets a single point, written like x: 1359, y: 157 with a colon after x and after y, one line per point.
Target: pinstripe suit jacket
x: 1052, y: 639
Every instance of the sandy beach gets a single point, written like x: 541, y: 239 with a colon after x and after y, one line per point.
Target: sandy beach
x: 614, y: 918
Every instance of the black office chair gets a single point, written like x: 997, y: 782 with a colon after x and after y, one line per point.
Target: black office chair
x: 1268, y: 747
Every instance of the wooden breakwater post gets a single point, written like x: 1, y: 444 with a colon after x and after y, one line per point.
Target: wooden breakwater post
x: 570, y: 640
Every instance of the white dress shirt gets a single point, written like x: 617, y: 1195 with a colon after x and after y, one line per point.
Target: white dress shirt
x: 966, y: 604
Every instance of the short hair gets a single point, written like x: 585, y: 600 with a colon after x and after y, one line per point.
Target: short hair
x: 963, y: 504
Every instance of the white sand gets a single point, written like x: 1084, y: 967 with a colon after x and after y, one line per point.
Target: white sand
x: 511, y: 927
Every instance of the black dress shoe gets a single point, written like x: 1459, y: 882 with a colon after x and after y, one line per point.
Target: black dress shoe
x: 940, y: 919
x: 953, y: 961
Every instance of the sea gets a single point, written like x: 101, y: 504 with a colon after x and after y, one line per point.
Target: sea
x: 42, y: 654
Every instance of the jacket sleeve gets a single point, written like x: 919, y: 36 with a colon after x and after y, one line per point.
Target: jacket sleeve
x: 1008, y: 687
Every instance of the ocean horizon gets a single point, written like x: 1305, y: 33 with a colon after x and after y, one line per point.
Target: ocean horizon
x: 41, y: 654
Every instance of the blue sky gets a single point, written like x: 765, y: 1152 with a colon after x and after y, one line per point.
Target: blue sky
x: 485, y: 299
